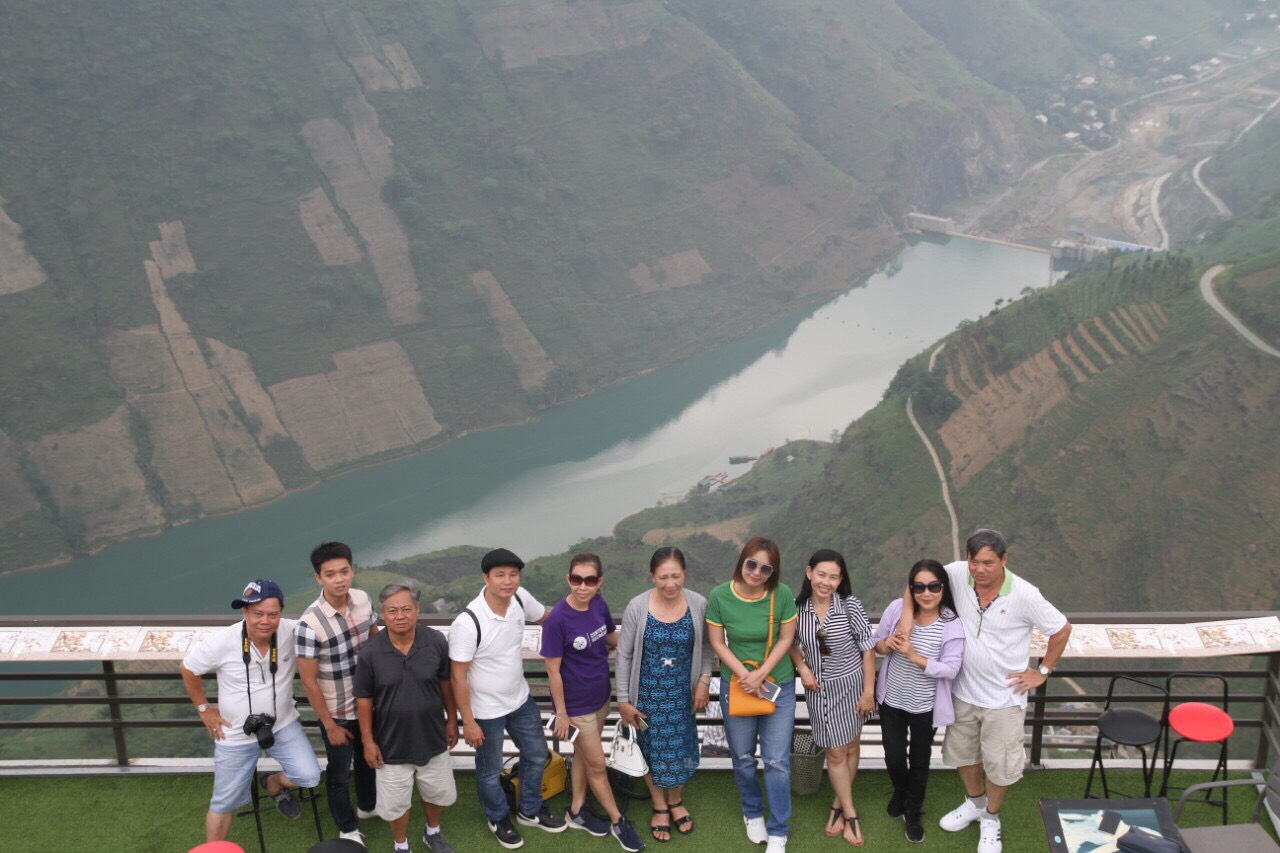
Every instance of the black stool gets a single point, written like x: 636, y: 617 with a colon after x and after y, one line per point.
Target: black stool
x: 305, y: 795
x: 1128, y: 727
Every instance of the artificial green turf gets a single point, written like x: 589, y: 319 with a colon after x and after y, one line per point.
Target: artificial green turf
x: 165, y: 814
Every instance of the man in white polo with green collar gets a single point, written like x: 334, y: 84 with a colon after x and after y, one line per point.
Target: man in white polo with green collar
x: 984, y: 744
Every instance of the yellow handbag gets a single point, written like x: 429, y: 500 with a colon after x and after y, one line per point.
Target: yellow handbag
x: 742, y: 703
x: 554, y: 778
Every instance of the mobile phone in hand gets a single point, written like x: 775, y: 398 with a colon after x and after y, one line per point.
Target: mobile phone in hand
x: 573, y: 730
x: 642, y: 724
x: 770, y: 690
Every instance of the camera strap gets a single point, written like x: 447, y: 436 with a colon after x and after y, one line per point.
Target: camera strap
x: 275, y: 665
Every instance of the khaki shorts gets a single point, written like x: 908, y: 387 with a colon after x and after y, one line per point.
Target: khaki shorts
x: 591, y: 724
x: 991, y: 737
x: 395, y: 785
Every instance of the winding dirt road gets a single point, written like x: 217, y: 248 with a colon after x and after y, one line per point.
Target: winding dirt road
x: 937, y: 465
x: 1211, y: 297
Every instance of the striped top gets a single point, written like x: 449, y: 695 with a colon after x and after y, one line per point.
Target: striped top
x: 908, y: 688
x: 848, y: 633
x: 998, y: 639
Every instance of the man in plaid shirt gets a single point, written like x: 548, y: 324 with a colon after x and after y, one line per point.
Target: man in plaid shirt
x: 328, y: 640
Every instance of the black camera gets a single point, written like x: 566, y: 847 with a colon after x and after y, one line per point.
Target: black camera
x: 259, y: 725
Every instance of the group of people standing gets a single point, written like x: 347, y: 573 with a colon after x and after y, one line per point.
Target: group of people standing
x: 389, y: 702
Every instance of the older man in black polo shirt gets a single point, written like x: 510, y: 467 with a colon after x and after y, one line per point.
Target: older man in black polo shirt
x: 404, y: 700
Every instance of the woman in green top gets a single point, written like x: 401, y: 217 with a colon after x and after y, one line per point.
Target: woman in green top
x: 751, y: 624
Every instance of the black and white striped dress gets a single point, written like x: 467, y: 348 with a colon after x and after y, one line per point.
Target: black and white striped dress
x: 833, y: 710
x: 906, y: 687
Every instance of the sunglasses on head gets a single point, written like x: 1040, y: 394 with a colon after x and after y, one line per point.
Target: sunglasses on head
x: 579, y: 580
x: 751, y: 565
x: 823, y: 648
x: 932, y: 586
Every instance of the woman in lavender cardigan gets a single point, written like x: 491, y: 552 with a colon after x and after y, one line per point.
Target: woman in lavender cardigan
x: 924, y: 644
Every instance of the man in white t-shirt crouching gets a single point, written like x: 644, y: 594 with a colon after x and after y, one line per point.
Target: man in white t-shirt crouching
x: 984, y: 744
x: 255, y: 663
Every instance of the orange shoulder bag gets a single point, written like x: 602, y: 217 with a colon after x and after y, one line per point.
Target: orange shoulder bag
x: 742, y: 703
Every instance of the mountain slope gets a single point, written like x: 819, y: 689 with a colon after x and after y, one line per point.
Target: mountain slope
x: 246, y: 246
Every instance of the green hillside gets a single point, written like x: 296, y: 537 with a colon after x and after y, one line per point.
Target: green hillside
x: 1113, y: 426
x: 244, y: 246
x: 1244, y: 173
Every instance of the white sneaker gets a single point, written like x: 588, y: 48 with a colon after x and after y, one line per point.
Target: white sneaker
x: 354, y: 835
x: 777, y: 844
x: 756, y: 832
x: 989, y: 838
x: 960, y: 817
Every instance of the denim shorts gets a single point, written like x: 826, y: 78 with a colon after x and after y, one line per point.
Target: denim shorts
x: 233, y: 766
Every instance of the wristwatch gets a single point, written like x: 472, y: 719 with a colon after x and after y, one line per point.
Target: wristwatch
x: 1044, y: 670
x: 202, y: 707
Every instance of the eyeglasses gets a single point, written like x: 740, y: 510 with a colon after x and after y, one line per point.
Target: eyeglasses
x: 579, y: 580
x: 823, y: 648
x: 757, y: 566
x: 932, y: 586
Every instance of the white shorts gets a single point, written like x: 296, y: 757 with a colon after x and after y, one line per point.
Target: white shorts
x: 395, y: 785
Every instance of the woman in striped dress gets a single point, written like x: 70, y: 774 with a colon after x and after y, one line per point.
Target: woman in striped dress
x: 924, y: 642
x: 834, y: 655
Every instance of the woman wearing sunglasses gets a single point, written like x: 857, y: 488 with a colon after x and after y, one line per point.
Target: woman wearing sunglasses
x: 751, y: 624
x: 664, y: 677
x: 924, y: 644
x: 834, y: 654
x: 576, y: 638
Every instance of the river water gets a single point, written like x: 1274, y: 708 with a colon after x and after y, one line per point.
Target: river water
x: 577, y: 469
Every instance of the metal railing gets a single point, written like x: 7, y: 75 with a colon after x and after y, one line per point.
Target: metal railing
x: 1070, y: 700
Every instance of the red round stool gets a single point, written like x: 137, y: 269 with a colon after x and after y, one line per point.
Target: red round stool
x: 1198, y: 722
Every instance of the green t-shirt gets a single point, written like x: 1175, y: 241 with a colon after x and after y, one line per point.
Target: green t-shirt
x: 746, y: 624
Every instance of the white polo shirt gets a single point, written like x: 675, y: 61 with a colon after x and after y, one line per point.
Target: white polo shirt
x: 496, y: 676
x: 221, y: 652
x: 997, y: 642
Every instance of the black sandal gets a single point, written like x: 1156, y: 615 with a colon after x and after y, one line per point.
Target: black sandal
x: 666, y: 830
x: 681, y: 822
x: 852, y: 823
x: 835, y: 823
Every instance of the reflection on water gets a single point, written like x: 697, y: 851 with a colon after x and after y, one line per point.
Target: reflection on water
x: 577, y: 469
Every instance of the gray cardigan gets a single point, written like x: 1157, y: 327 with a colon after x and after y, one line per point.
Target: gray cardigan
x: 631, y: 643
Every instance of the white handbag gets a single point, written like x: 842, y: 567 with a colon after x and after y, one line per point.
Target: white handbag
x: 625, y: 755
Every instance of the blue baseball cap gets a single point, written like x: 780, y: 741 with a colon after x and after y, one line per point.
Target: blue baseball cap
x: 259, y: 590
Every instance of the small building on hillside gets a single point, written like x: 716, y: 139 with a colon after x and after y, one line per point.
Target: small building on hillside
x: 932, y: 224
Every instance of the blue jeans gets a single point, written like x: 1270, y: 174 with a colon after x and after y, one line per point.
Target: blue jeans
x: 524, y: 724
x: 338, y: 777
x: 773, y: 732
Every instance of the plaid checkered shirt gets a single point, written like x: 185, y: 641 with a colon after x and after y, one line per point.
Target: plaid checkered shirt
x: 334, y: 639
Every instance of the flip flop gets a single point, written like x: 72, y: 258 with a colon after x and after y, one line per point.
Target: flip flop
x: 681, y: 822
x: 835, y: 823
x: 665, y: 830
x: 851, y: 822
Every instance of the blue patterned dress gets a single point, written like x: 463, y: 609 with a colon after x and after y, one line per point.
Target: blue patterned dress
x: 670, y: 744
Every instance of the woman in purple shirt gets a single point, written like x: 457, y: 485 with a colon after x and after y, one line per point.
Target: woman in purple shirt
x: 576, y: 638
x: 924, y: 644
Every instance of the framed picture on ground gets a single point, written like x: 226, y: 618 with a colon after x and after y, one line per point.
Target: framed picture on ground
x: 1092, y: 826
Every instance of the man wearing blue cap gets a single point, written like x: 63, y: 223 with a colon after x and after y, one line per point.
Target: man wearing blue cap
x: 255, y: 663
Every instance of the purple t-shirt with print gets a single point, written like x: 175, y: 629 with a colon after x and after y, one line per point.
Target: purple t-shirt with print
x: 577, y: 637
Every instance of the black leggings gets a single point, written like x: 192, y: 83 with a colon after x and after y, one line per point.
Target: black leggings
x: 908, y: 772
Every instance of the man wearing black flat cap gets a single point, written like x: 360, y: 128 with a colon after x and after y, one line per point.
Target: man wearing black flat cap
x: 255, y: 663
x: 485, y: 648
